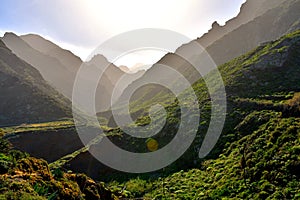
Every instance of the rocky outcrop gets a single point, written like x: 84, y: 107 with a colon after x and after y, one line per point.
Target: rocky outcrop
x: 269, y: 26
x: 248, y: 11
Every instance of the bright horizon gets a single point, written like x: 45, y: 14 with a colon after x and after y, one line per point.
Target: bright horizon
x: 81, y: 26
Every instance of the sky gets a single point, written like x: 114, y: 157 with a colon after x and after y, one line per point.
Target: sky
x: 82, y: 25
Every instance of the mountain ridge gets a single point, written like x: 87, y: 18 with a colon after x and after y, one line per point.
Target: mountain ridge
x: 271, y: 24
x: 59, y: 67
x: 25, y: 94
x: 66, y: 57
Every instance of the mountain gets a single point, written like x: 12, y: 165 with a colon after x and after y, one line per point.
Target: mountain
x: 65, y: 57
x: 59, y: 67
x: 248, y: 11
x: 52, y: 70
x: 124, y: 68
x: 257, y: 155
x: 252, y: 27
x: 113, y: 80
x: 262, y: 86
x: 25, y: 95
x: 275, y: 22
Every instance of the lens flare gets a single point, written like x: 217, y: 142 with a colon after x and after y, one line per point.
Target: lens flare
x: 152, y: 144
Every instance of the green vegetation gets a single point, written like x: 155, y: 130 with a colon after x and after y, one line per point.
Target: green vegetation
x: 64, y: 124
x: 256, y: 157
x: 25, y: 177
x: 271, y: 170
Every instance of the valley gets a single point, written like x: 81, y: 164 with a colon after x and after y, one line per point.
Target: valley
x: 257, y: 156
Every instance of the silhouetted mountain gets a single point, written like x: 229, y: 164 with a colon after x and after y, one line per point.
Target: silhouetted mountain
x: 25, y: 95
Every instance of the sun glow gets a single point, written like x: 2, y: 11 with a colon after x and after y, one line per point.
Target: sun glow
x: 117, y: 16
x: 81, y: 26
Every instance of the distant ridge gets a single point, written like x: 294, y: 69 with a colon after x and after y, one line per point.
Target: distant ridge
x: 59, y: 67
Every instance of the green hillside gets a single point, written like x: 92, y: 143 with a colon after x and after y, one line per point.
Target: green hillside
x: 256, y: 157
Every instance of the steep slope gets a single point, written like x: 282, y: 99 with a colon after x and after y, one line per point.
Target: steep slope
x: 249, y: 10
x: 264, y: 164
x: 25, y: 96
x: 257, y: 156
x: 268, y: 24
x: 67, y: 58
x: 59, y: 67
x: 109, y: 82
x: 50, y: 68
x: 276, y: 22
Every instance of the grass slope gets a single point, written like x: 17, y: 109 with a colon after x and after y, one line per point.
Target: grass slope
x: 257, y: 156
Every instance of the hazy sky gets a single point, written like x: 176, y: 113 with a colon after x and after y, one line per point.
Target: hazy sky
x: 81, y: 25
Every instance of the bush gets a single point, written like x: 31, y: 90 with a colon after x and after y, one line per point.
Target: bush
x: 5, y: 146
x: 57, y: 173
x: 137, y: 187
x: 1, y: 132
x: 5, y: 163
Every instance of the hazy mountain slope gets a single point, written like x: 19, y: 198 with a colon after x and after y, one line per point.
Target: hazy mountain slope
x: 282, y: 18
x: 67, y: 58
x: 109, y: 81
x: 52, y: 70
x: 248, y: 11
x: 59, y: 67
x: 274, y: 23
x: 25, y: 96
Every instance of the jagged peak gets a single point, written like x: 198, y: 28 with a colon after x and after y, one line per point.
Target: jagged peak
x: 10, y: 34
x: 215, y: 25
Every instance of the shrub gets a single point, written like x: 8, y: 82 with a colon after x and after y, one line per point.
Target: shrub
x: 57, y: 173
x: 137, y: 187
x: 5, y: 146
